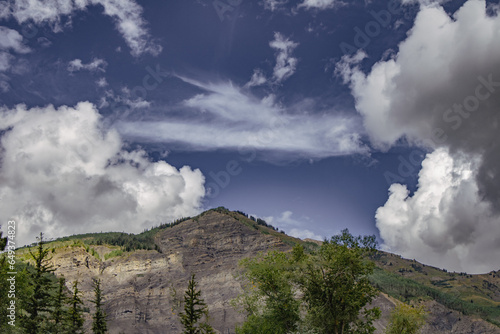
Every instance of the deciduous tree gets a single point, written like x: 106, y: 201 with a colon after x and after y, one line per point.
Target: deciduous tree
x: 406, y: 319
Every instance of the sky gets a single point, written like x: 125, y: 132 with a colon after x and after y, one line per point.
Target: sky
x: 315, y: 115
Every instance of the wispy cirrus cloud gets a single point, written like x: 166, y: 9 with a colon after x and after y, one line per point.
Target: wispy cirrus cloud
x: 286, y: 64
x: 226, y: 116
x: 11, y: 43
x: 96, y: 65
x: 274, y: 5
x: 320, y: 4
x: 127, y: 15
x: 12, y: 40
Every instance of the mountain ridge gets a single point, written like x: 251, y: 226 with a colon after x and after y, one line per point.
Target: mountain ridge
x: 142, y: 286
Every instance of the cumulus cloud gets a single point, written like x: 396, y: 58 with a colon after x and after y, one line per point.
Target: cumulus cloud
x: 445, y: 221
x: 62, y: 173
x: 224, y: 117
x: 127, y: 15
x: 441, y: 90
x: 292, y: 226
x: 96, y: 65
x: 285, y: 64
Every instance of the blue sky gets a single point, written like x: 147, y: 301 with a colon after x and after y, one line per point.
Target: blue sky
x: 315, y: 115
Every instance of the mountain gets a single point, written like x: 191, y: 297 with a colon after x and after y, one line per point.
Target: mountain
x: 142, y: 287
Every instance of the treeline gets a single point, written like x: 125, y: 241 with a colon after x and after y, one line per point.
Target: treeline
x: 33, y: 300
x: 259, y: 221
x: 128, y: 241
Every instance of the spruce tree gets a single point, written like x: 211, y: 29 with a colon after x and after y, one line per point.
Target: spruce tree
x: 3, y: 241
x: 195, y: 309
x: 59, y: 311
x: 75, y: 314
x: 39, y: 302
x: 99, y: 319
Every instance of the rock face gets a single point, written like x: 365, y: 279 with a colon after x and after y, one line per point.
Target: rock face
x: 142, y: 288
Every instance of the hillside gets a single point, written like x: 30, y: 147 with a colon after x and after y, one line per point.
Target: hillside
x: 144, y: 275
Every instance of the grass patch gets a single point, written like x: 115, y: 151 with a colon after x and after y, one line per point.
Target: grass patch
x: 115, y: 253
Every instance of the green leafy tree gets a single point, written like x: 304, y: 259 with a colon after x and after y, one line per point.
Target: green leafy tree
x: 75, y: 313
x: 194, y: 310
x: 269, y: 295
x: 39, y: 302
x: 406, y: 319
x: 99, y: 325
x: 336, y: 287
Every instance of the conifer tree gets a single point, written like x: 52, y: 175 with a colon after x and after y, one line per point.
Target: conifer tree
x: 39, y: 302
x: 99, y: 319
x: 195, y: 309
x: 60, y: 310
x: 75, y: 314
x: 3, y: 241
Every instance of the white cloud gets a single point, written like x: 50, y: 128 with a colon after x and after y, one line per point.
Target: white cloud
x: 127, y: 15
x: 95, y: 65
x: 285, y: 64
x: 292, y: 226
x: 442, y: 91
x: 445, y: 222
x: 122, y: 103
x: 258, y: 79
x: 62, y: 173
x: 320, y: 4
x: 102, y: 82
x: 226, y: 118
x: 11, y: 39
x: 5, y: 59
x: 273, y: 5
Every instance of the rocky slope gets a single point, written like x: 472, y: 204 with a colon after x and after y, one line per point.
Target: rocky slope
x: 142, y: 288
x: 139, y: 287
